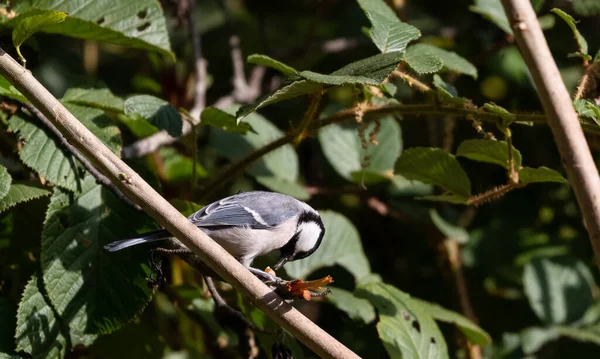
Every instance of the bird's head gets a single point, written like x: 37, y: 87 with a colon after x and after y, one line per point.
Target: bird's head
x: 307, y: 238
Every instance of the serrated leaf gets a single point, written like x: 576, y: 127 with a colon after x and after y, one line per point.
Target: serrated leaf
x: 272, y: 63
x: 135, y: 23
x: 358, y: 309
x: 96, y: 98
x: 447, y: 229
x: 493, y: 11
x: 434, y: 166
x: 529, y: 175
x: 342, y: 147
x: 103, y: 290
x: 559, y: 290
x: 588, y: 109
x: 406, y: 329
x: 472, y: 331
x: 220, y: 119
x: 421, y: 60
x: 586, y: 7
x: 22, y: 192
x: 43, y: 153
x: 388, y: 32
x: 158, y: 112
x: 450, y: 60
x: 489, y: 151
x: 5, y: 181
x: 8, y: 90
x: 38, y: 331
x: 370, y: 71
x: 29, y: 25
x: 287, y: 91
x: 581, y: 43
x: 341, y: 245
x: 281, y: 165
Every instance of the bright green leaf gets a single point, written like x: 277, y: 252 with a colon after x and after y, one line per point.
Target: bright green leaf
x: 493, y: 11
x: 581, y: 43
x: 177, y: 167
x: 489, y: 151
x: 140, y: 24
x: 89, y: 286
x: 434, y: 166
x: 529, y: 175
x: 5, y: 181
x: 506, y: 116
x: 358, y: 309
x: 158, y: 112
x: 341, y: 245
x: 449, y: 230
x: 421, y: 60
x: 405, y: 327
x: 270, y: 62
x: 472, y: 331
x: 342, y: 147
x: 8, y: 90
x: 44, y: 154
x: 559, y: 291
x: 588, y: 109
x: 29, y: 25
x: 388, y: 32
x: 450, y: 60
x: 287, y: 91
x: 22, y: 192
x: 96, y: 98
x: 220, y: 119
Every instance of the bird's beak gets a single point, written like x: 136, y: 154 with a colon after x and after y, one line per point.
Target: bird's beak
x: 282, y: 260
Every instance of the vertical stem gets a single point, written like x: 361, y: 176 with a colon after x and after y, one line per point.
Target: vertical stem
x: 513, y: 172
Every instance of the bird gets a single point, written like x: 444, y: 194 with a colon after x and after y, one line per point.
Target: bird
x: 251, y: 224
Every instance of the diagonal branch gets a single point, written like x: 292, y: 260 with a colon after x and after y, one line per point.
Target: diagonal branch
x: 562, y: 118
x: 130, y: 183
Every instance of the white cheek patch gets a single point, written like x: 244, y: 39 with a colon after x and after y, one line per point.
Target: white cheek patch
x: 309, y: 235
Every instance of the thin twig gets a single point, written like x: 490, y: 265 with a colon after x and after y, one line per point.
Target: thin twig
x: 200, y: 64
x: 66, y: 145
x: 141, y: 193
x: 562, y: 118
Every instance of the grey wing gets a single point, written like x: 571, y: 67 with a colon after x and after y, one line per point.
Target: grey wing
x: 256, y: 211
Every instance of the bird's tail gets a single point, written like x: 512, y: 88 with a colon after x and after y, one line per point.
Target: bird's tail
x: 143, y: 238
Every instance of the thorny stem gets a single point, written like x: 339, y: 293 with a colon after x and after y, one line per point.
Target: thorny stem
x: 411, y: 81
x: 586, y: 79
x: 311, y: 114
x: 491, y: 195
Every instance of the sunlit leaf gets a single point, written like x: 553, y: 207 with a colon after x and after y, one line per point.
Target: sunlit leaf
x: 8, y: 90
x: 356, y: 308
x: 22, y: 192
x: 489, y: 151
x: 450, y: 60
x: 529, y: 175
x: 423, y: 61
x: 581, y: 43
x: 96, y: 98
x: 220, y: 119
x: 29, y: 25
x: 494, y: 12
x: 270, y: 62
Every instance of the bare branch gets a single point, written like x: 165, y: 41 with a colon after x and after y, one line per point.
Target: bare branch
x: 562, y: 118
x: 200, y: 64
x: 130, y: 183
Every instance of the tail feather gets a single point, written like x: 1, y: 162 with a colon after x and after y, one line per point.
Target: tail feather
x: 143, y: 238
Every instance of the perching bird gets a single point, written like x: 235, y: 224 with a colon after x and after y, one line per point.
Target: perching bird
x: 251, y: 224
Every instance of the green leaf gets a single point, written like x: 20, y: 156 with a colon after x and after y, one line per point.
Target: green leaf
x: 43, y: 153
x: 341, y: 245
x: 5, y: 181
x: 279, y: 169
x: 220, y: 119
x: 506, y: 116
x: 388, y: 32
x: 488, y: 151
x: 370, y: 71
x: 581, y: 43
x: 559, y: 291
x: 342, y: 147
x: 177, y: 167
x: 434, y: 166
x: 589, y: 335
x: 493, y: 11
x: 586, y: 7
x: 39, y: 331
x: 450, y: 60
x: 90, y: 287
x: 22, y: 192
x: 421, y: 60
x: 472, y: 331
x: 272, y: 63
x: 588, y: 109
x: 358, y: 309
x: 29, y: 25
x: 405, y: 327
x: 449, y: 230
x: 158, y: 112
x: 95, y: 98
x: 286, y: 91
x: 447, y: 93
x: 8, y: 90
x: 529, y: 175
x: 136, y: 23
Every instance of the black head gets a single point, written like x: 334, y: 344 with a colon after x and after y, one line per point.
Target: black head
x: 307, y: 238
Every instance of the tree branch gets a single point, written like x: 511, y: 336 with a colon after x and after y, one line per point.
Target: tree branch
x: 562, y: 118
x: 130, y: 183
